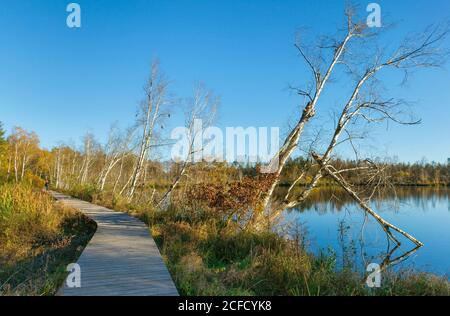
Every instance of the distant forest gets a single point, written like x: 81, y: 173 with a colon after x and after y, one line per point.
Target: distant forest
x: 397, y: 173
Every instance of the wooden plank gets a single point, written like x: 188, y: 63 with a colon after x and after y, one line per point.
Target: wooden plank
x: 121, y: 259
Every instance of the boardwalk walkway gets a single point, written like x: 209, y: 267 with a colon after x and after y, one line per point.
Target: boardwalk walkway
x: 121, y: 258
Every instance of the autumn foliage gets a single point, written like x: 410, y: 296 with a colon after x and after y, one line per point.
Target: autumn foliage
x: 233, y: 199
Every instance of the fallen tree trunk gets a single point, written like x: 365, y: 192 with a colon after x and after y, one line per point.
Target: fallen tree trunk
x: 387, y: 227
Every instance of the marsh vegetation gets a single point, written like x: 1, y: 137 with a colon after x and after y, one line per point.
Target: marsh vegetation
x: 38, y: 239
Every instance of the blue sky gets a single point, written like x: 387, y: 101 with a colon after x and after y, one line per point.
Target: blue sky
x: 62, y: 82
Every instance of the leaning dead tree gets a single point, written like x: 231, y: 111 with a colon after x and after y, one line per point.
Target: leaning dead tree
x: 201, y: 109
x: 357, y: 58
x: 336, y: 175
x: 150, y: 115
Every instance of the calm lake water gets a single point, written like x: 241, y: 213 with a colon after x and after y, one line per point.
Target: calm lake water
x: 334, y: 223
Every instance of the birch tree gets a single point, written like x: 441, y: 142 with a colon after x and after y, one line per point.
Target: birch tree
x: 320, y: 79
x: 364, y: 66
x: 89, y: 145
x: 115, y: 150
x: 24, y: 145
x: 57, y: 168
x: 201, y: 108
x: 4, y: 157
x: 151, y: 112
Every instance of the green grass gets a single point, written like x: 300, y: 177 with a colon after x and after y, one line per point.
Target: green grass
x: 38, y: 238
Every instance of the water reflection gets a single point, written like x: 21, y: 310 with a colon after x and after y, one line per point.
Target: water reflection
x: 334, y: 223
x: 334, y: 199
x: 390, y: 261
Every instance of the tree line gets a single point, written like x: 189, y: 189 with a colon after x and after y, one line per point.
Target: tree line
x: 112, y: 166
x: 420, y: 173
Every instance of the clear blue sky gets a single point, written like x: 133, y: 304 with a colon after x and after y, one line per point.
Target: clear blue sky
x: 61, y: 82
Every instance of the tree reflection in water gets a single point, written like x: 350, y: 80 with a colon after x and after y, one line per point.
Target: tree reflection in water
x: 422, y: 209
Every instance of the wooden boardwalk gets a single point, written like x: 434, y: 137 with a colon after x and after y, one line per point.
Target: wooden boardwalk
x: 121, y: 259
